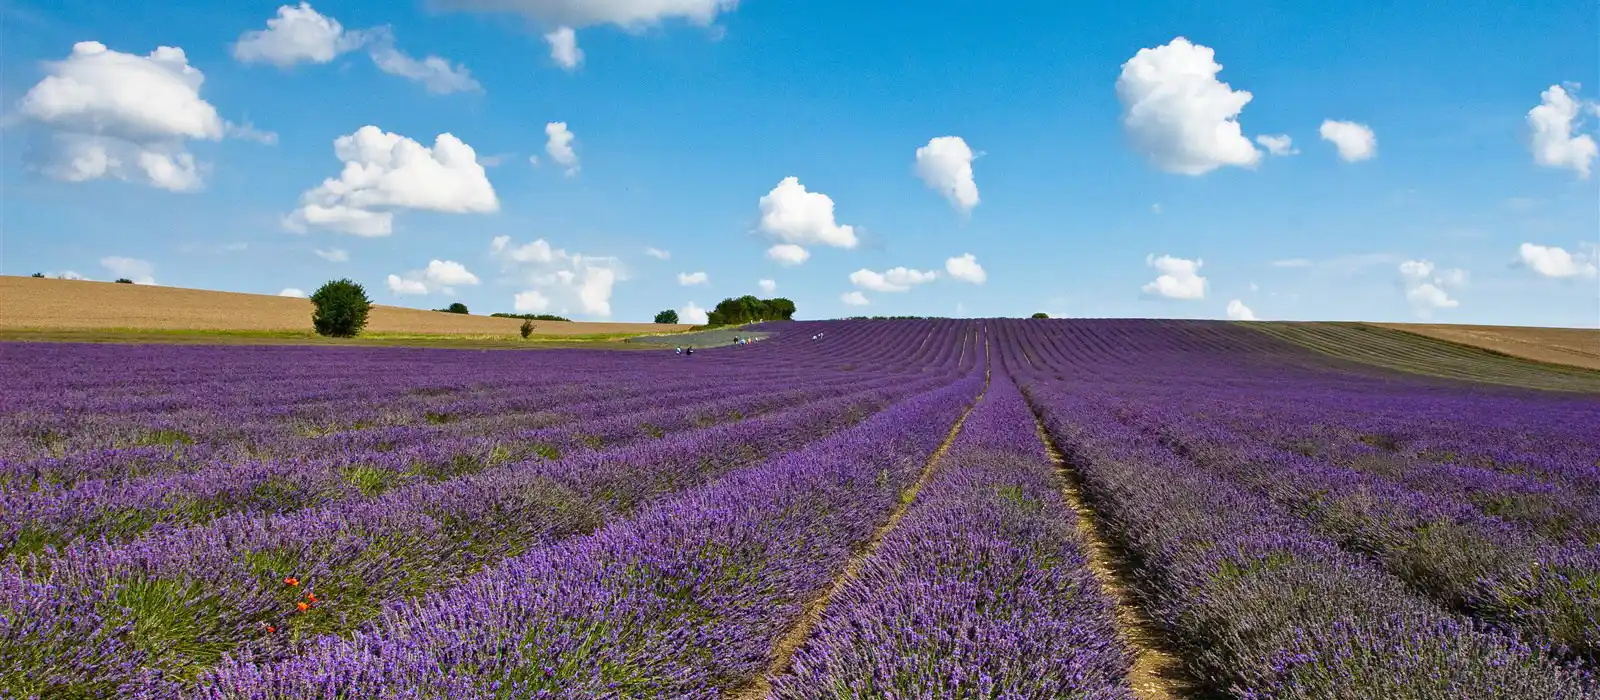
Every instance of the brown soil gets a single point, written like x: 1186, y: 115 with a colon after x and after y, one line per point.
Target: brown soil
x: 1157, y: 673
x: 1577, y: 347
x: 51, y: 304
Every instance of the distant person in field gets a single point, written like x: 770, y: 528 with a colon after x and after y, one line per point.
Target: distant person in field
x: 690, y: 351
x: 677, y: 351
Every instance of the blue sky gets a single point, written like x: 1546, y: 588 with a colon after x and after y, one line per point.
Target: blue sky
x: 1092, y: 200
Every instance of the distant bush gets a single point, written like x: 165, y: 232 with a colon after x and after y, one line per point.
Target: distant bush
x: 456, y: 308
x: 341, y: 309
x: 38, y: 275
x: 1041, y: 314
x: 892, y: 318
x: 124, y: 280
x: 749, y: 309
x: 527, y: 328
x: 669, y: 317
x: 533, y: 317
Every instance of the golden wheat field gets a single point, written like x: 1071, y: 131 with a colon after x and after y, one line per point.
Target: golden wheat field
x: 1568, y: 346
x: 73, y: 305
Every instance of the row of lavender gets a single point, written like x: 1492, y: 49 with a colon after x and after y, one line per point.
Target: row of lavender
x: 148, y: 615
x: 1309, y: 531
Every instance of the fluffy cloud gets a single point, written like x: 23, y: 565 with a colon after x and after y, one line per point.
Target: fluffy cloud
x: 854, y: 299
x: 303, y: 35
x: 1280, y: 145
x: 124, y: 116
x: 386, y: 172
x: 788, y: 254
x: 1354, y: 141
x: 559, y: 146
x: 965, y: 268
x: 333, y: 255
x: 899, y: 279
x: 796, y: 218
x: 556, y: 276
x: 65, y: 275
x: 1551, y: 261
x: 1425, y: 290
x: 296, y: 35
x: 688, y: 279
x: 1553, y: 143
x: 435, y: 74
x: 628, y: 14
x: 1180, y: 278
x: 140, y: 271
x: 292, y: 292
x: 1178, y: 114
x: 564, y: 47
x: 530, y: 302
x: 694, y: 315
x: 658, y: 253
x: 945, y: 164
x: 767, y: 286
x: 440, y: 276
x: 1237, y: 311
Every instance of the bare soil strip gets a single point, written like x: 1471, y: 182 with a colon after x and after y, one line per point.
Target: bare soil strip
x: 783, y: 653
x: 1157, y: 673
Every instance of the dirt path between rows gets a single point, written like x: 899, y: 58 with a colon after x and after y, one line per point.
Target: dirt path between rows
x: 1157, y: 673
x: 789, y: 645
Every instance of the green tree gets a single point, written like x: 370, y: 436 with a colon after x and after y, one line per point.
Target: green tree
x: 527, y: 328
x: 669, y: 317
x: 341, y: 309
x: 124, y: 280
x: 38, y: 275
x: 1041, y: 314
x: 456, y: 308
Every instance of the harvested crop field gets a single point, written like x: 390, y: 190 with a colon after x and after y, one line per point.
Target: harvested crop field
x: 1407, y: 351
x: 29, y: 304
x: 936, y: 508
x: 1579, y: 347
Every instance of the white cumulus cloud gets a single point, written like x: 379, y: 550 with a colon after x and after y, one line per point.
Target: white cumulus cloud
x: 1178, y: 114
x: 767, y: 286
x: 794, y: 218
x: 1425, y: 286
x: 297, y: 35
x: 530, y: 302
x: 564, y: 47
x: 1279, y: 145
x: 899, y: 279
x: 333, y: 255
x: 1552, y: 124
x: 384, y: 173
x: 585, y: 282
x: 945, y: 164
x: 125, y: 116
x: 437, y: 75
x: 65, y: 275
x: 693, y: 315
x: 1355, y: 142
x: 1179, y: 279
x: 628, y: 14
x: 140, y: 271
x: 788, y: 254
x: 854, y: 298
x: 688, y: 279
x: 439, y: 277
x: 1551, y: 261
x: 658, y: 253
x: 292, y: 292
x: 965, y: 268
x: 1237, y: 311
x: 559, y: 146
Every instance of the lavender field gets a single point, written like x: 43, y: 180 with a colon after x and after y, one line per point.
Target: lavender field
x: 898, y: 509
